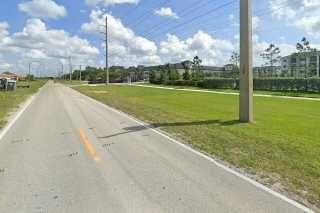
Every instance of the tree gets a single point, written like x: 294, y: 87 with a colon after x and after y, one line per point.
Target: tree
x: 186, y: 66
x: 163, y: 74
x: 235, y: 61
x: 30, y: 77
x: 305, y: 50
x: 152, y: 77
x: 174, y: 74
x: 272, y: 56
x: 197, y: 74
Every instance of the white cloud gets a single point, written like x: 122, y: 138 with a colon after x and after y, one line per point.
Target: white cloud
x: 211, y: 50
x: 43, y: 9
x: 299, y: 13
x: 125, y: 47
x: 166, y: 12
x: 37, y: 42
x: 3, y: 30
x: 310, y: 24
x: 110, y: 2
x: 255, y: 22
x: 4, y: 65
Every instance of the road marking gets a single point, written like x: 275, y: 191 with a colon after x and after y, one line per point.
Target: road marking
x: 227, y: 93
x: 228, y: 169
x: 88, y: 145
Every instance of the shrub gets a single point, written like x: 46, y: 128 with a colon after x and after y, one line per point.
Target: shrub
x: 273, y: 84
x: 219, y: 83
x: 181, y: 83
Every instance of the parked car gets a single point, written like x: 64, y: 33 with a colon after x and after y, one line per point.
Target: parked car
x: 8, y: 84
x: 3, y: 83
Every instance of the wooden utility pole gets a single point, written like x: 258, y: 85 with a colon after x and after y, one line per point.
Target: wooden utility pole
x: 80, y: 73
x: 107, y: 63
x: 246, y: 79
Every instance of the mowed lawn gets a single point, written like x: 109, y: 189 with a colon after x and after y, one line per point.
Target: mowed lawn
x: 283, y: 145
x: 11, y: 100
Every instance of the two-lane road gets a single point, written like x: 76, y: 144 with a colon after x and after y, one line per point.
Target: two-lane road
x: 68, y: 153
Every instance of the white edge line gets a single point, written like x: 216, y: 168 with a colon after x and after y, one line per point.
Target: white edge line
x: 253, y: 182
x: 227, y: 93
x: 25, y: 105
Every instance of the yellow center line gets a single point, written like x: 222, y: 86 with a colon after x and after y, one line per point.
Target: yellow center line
x: 88, y: 145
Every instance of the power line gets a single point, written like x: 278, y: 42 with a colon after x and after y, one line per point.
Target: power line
x: 174, y: 28
x: 182, y: 13
x: 129, y: 11
x: 143, y: 17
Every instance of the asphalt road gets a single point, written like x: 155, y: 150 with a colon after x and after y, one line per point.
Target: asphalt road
x: 67, y: 153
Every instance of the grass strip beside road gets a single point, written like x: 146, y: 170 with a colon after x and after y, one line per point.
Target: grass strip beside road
x: 256, y: 92
x: 11, y: 100
x: 282, y: 146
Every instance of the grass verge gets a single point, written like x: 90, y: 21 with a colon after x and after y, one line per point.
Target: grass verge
x: 11, y: 100
x: 275, y: 93
x: 282, y: 146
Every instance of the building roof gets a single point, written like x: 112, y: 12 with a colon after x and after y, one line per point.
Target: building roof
x: 9, y: 73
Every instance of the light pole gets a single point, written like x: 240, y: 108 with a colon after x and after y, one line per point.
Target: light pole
x: 246, y: 79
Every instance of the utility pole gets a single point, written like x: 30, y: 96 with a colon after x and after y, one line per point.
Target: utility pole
x: 107, y: 63
x: 62, y: 70
x: 80, y: 73
x: 70, y: 68
x: 29, y: 72
x: 246, y: 79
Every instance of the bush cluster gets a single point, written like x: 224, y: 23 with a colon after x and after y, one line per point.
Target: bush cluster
x: 271, y: 84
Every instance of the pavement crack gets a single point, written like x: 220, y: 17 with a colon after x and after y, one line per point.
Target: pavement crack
x: 107, y: 145
x: 66, y: 133
x: 23, y: 140
x: 73, y: 154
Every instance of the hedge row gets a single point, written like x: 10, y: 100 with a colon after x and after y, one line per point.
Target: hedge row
x: 274, y: 84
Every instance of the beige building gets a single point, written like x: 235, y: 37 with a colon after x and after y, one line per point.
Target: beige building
x: 10, y: 75
x: 296, y: 64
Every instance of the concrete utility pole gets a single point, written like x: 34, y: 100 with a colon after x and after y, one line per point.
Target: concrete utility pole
x: 70, y: 68
x: 62, y: 70
x: 107, y: 63
x: 246, y: 79
x: 29, y: 70
x: 318, y: 66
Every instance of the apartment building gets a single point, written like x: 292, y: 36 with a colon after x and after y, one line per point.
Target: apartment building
x: 297, y: 65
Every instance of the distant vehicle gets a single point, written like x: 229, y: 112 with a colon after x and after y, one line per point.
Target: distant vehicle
x: 97, y: 81
x: 8, y: 84
x: 3, y: 83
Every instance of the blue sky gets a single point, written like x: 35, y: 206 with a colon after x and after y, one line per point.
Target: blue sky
x: 146, y: 31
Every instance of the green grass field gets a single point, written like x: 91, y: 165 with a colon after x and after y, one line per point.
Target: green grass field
x: 275, y: 93
x: 11, y: 100
x: 283, y: 145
